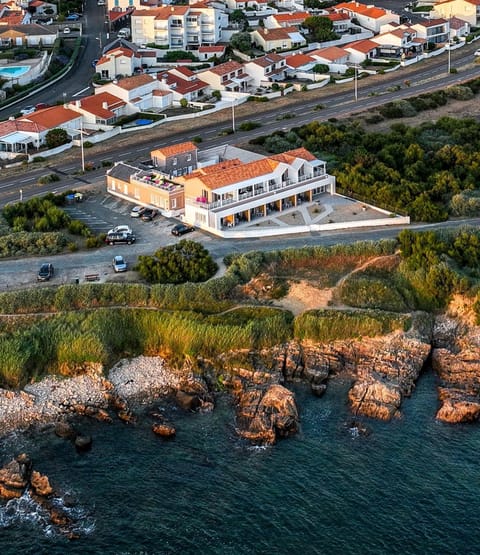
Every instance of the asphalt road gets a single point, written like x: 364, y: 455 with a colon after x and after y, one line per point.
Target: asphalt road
x: 428, y: 76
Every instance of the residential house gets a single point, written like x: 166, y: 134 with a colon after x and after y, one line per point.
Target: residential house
x: 369, y: 17
x: 138, y: 91
x: 466, y: 10
x: 178, y: 27
x: 205, y: 53
x: 229, y: 76
x: 282, y: 38
x: 300, y: 66
x: 230, y: 192
x: 100, y: 109
x: 10, y: 18
x: 458, y: 27
x: 181, y: 82
x: 43, y: 9
x: 177, y: 159
x: 250, y: 6
x: 361, y: 50
x: 292, y: 19
x: 342, y: 22
x: 118, y: 61
x: 436, y: 31
x: 148, y: 188
x: 23, y: 134
x: 399, y: 41
x: 27, y: 35
x: 334, y: 57
x: 266, y: 69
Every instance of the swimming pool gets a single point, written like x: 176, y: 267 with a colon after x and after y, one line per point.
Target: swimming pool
x: 13, y: 71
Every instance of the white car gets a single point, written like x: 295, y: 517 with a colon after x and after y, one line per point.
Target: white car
x: 137, y: 211
x: 66, y: 30
x: 476, y: 53
x: 121, y: 229
x: 27, y: 110
x: 119, y: 264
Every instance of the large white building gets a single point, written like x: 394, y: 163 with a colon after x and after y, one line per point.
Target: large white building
x: 178, y: 27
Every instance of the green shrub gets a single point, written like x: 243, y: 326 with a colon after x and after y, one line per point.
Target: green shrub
x: 46, y: 179
x: 95, y: 241
x: 23, y: 243
x: 249, y: 125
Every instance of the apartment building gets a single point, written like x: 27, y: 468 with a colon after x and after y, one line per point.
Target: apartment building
x: 225, y: 194
x: 176, y: 159
x: 178, y: 27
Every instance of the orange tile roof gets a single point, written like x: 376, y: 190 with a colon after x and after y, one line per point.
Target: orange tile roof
x: 291, y: 17
x: 131, y: 83
x: 237, y: 174
x: 302, y: 153
x: 212, y: 49
x: 267, y: 60
x: 11, y: 19
x: 163, y: 12
x: 227, y: 67
x: 51, y: 117
x: 213, y: 168
x: 362, y: 46
x: 298, y: 60
x: 11, y: 126
x: 433, y: 22
x: 102, y: 105
x: 337, y: 17
x: 173, y: 150
x: 331, y: 53
x: 279, y: 33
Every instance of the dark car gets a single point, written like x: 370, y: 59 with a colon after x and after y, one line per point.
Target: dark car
x: 181, y: 229
x: 148, y: 214
x: 122, y: 237
x: 45, y: 273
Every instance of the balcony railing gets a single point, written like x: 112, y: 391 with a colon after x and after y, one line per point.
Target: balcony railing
x: 267, y: 191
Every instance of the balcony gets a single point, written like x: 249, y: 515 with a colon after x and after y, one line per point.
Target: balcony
x: 157, y: 181
x: 261, y: 194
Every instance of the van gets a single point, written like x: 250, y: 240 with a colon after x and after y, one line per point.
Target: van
x: 101, y: 3
x: 124, y: 33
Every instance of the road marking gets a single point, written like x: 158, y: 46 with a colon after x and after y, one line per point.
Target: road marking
x: 25, y: 180
x: 80, y: 92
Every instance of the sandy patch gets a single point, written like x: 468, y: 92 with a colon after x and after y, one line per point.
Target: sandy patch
x: 302, y: 296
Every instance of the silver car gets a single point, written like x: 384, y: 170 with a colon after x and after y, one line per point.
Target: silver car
x: 119, y: 264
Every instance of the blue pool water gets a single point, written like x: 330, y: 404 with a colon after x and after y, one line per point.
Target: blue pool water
x: 410, y: 487
x: 13, y: 71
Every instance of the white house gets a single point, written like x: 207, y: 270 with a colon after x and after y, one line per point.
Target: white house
x: 137, y: 91
x: 230, y: 192
x: 368, y: 17
x: 266, y: 69
x: 181, y: 82
x: 100, y: 109
x: 467, y: 10
x: 119, y: 61
x: 229, y: 76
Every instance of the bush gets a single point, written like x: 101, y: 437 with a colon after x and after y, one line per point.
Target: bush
x: 179, y: 263
x: 46, y: 179
x: 95, y: 241
x: 22, y: 243
x: 257, y: 99
x: 249, y: 125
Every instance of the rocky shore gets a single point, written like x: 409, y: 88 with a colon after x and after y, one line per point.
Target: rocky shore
x: 383, y: 371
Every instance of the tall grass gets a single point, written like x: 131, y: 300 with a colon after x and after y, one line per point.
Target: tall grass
x: 67, y: 340
x: 330, y: 325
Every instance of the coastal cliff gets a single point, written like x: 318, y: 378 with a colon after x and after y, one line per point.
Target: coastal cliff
x: 383, y: 371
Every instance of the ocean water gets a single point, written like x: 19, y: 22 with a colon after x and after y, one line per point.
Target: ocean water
x: 410, y: 486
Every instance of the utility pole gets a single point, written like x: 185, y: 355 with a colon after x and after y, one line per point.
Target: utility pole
x: 81, y: 146
x: 233, y: 115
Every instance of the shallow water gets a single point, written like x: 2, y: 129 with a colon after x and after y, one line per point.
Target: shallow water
x: 410, y: 486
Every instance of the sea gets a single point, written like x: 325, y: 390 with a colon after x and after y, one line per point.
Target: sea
x: 409, y: 486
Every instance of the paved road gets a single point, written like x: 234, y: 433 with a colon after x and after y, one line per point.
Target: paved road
x: 428, y: 76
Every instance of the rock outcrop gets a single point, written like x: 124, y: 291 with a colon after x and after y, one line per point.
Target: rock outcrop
x: 263, y: 415
x: 456, y: 359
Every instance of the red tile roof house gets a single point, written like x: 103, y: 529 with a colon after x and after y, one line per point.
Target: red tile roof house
x: 266, y: 69
x: 398, y: 41
x: 334, y: 57
x: 361, y: 50
x: 43, y: 8
x: 230, y: 76
x: 27, y: 35
x: 282, y: 38
x: 292, y: 19
x: 181, y: 82
x: 119, y: 61
x: 208, y: 52
x: 139, y: 92
x: 27, y: 133
x: 99, y: 110
x: 300, y: 66
x: 369, y: 17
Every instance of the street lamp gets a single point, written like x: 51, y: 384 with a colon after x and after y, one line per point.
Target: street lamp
x: 355, y: 79
x: 233, y: 115
x: 449, y: 56
x: 81, y: 146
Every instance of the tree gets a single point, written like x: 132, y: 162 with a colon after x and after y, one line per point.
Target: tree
x: 241, y: 42
x: 320, y: 28
x: 238, y: 17
x: 56, y: 137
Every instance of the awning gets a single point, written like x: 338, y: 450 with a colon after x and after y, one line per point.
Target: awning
x: 296, y: 37
x: 17, y: 137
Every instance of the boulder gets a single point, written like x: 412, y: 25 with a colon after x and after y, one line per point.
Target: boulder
x: 40, y: 484
x: 65, y: 430
x: 164, y: 430
x: 188, y: 401
x: 265, y: 414
x: 83, y: 443
x: 127, y: 416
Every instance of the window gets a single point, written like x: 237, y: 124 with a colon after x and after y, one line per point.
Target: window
x: 189, y: 157
x: 173, y: 203
x: 136, y: 193
x: 112, y: 184
x: 125, y: 189
x: 174, y: 162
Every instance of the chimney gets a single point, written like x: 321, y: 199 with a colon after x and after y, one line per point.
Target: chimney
x: 78, y: 104
x: 105, y: 105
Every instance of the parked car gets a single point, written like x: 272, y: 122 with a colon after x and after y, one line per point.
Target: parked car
x: 41, y: 106
x: 119, y: 264
x: 181, y: 229
x: 148, y: 214
x: 137, y: 211
x: 94, y: 63
x: 66, y: 30
x: 27, y: 110
x: 477, y: 53
x: 46, y: 272
x: 122, y: 237
x: 121, y: 229
x: 72, y: 17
